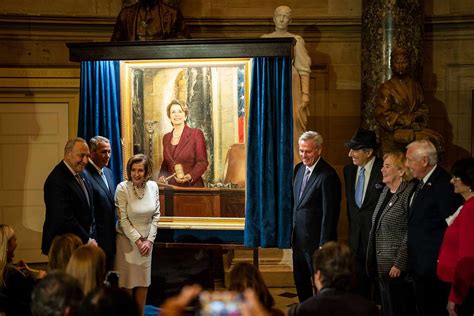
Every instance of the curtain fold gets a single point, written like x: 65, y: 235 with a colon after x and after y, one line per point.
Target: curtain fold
x: 99, y: 109
x: 268, y: 211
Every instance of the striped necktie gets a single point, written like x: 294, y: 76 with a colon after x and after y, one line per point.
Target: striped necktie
x: 305, y: 180
x: 83, y: 186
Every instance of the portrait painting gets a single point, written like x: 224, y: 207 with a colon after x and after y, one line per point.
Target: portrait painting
x: 189, y: 117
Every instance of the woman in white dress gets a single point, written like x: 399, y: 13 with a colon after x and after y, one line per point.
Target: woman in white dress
x: 138, y: 211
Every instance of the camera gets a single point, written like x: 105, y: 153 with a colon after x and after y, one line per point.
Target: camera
x: 112, y: 279
x: 220, y: 303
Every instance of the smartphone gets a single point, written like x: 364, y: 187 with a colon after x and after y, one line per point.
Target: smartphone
x: 220, y: 303
x: 112, y: 279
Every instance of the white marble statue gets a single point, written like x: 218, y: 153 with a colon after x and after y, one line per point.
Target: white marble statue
x: 301, y: 73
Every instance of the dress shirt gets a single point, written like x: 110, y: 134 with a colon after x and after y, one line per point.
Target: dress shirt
x: 101, y: 172
x: 311, y: 168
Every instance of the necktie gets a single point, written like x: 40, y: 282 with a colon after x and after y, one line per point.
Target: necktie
x: 83, y: 187
x: 305, y: 180
x: 419, y: 186
x: 102, y: 174
x: 359, y: 192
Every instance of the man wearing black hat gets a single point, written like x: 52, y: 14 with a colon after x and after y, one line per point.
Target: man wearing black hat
x: 363, y: 181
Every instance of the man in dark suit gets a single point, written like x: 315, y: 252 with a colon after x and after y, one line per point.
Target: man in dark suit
x: 101, y: 179
x: 68, y: 197
x: 317, y: 199
x: 363, y: 183
x: 432, y: 201
x: 333, y: 266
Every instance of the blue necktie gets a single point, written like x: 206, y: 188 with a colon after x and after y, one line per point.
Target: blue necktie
x: 305, y: 180
x: 359, y: 193
x: 102, y: 174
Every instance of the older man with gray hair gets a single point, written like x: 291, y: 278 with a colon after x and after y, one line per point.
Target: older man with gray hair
x: 68, y: 197
x: 317, y: 202
x: 432, y: 201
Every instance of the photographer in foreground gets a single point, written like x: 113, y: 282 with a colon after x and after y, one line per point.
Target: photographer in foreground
x: 177, y: 305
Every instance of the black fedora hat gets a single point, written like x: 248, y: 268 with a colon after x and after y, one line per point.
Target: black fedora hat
x: 363, y: 138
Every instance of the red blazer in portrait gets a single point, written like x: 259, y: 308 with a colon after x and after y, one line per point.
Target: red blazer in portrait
x: 190, y: 152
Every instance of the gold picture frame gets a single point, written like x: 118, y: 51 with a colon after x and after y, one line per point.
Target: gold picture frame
x: 147, y: 87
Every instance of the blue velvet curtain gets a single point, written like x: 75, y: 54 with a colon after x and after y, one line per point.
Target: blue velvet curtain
x: 99, y: 110
x: 268, y: 211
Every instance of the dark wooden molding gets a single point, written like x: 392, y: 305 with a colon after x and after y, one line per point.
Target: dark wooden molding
x: 206, y: 27
x: 182, y: 49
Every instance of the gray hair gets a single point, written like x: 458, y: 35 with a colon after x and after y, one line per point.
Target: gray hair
x: 314, y: 136
x: 71, y: 142
x: 424, y: 148
x: 94, y: 141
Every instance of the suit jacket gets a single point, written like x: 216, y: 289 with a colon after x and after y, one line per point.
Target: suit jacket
x: 190, y: 152
x: 67, y: 209
x: 388, y: 239
x: 360, y: 219
x: 426, y: 222
x: 315, y: 216
x: 332, y: 302
x: 104, y: 207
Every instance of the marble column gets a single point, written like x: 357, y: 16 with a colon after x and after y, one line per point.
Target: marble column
x: 387, y: 24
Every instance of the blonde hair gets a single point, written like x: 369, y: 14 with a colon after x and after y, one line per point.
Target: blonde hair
x: 181, y: 104
x: 399, y: 162
x: 87, y: 264
x: 6, y: 233
x: 61, y: 251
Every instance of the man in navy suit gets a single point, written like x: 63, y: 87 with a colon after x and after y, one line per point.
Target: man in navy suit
x: 432, y: 201
x: 363, y: 183
x: 68, y: 197
x: 317, y: 199
x: 101, y: 179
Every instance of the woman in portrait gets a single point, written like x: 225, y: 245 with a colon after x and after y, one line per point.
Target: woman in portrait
x: 16, y: 281
x: 138, y: 211
x: 456, y: 255
x: 387, y: 247
x: 184, y: 150
x: 87, y: 265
